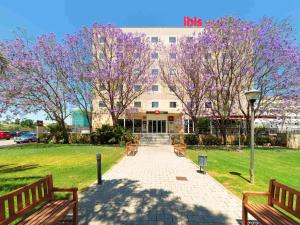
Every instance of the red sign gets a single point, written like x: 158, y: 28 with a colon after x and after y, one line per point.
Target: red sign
x: 189, y: 22
x: 157, y: 111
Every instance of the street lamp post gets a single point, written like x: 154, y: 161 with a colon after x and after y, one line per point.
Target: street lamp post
x: 252, y: 95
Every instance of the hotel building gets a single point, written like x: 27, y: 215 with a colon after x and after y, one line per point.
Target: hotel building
x: 157, y: 110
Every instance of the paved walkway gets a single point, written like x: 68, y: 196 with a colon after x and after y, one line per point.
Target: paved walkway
x: 143, y: 189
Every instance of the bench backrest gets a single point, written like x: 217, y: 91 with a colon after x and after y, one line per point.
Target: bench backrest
x: 21, y: 201
x: 285, y: 197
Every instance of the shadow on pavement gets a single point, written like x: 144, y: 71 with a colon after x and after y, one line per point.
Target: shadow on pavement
x: 123, y: 201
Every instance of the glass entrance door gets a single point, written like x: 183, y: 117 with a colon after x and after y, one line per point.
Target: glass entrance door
x: 157, y: 126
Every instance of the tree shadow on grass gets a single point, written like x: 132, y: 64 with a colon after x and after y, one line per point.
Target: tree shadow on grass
x: 13, y: 183
x: 124, y: 201
x: 240, y: 175
x: 12, y: 169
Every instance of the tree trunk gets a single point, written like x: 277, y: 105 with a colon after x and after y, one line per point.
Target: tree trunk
x: 65, y: 134
x: 223, y: 131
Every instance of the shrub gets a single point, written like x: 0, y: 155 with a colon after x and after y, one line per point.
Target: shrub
x: 56, y: 133
x: 44, y: 138
x: 175, y: 138
x: 280, y: 140
x: 79, y: 139
x: 191, y: 139
x: 108, y: 134
x: 262, y: 140
x: 211, y: 140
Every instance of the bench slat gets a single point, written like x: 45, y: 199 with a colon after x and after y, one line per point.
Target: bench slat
x: 19, y: 202
x: 43, y: 215
x: 27, y: 198
x: 11, y: 206
x: 2, y: 210
x: 33, y: 194
x: 291, y: 200
x: 298, y: 204
x: 283, y: 197
x: 268, y: 215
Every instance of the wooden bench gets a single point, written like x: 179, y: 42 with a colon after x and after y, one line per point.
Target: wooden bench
x: 22, y: 204
x: 279, y: 197
x: 131, y: 149
x: 180, y: 149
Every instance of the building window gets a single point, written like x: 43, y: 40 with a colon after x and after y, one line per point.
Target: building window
x: 154, y: 72
x: 154, y: 87
x: 137, y: 104
x: 173, y: 105
x: 172, y: 39
x: 101, y: 55
x: 102, y: 39
x: 173, y: 55
x: 137, y: 87
x: 154, y: 55
x: 189, y: 39
x: 172, y: 88
x: 172, y: 71
x: 188, y: 126
x: 137, y: 55
x: 154, y: 39
x: 155, y: 104
x: 101, y: 104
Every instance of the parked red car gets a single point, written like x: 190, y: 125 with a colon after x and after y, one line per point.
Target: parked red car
x: 5, y: 135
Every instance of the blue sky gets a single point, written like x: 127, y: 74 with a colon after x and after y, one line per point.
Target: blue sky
x: 67, y: 16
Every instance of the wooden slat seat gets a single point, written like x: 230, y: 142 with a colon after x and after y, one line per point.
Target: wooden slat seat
x: 266, y: 214
x: 281, y: 198
x: 180, y: 149
x: 131, y: 149
x: 49, y: 213
x: 35, y: 204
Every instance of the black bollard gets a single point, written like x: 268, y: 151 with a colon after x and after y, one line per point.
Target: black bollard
x: 99, y: 173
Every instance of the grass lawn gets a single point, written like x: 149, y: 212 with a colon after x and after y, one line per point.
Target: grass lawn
x: 231, y: 168
x: 70, y: 165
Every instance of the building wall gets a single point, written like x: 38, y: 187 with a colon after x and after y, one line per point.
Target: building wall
x: 164, y: 96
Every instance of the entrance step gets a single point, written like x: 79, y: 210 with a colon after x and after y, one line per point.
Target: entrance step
x: 155, y: 138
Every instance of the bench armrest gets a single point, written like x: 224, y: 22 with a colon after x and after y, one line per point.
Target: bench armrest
x: 246, y: 195
x: 73, y: 190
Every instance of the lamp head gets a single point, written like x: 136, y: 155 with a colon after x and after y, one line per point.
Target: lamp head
x: 252, y: 95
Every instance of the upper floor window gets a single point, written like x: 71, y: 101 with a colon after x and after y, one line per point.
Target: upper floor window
x: 137, y: 87
x: 189, y: 39
x: 173, y: 105
x: 154, y: 72
x: 155, y: 104
x: 172, y: 88
x: 154, y: 87
x: 101, y: 104
x: 154, y: 39
x: 172, y: 71
x: 137, y: 55
x: 102, y: 39
x: 138, y: 104
x: 101, y: 55
x: 172, y: 39
x: 154, y: 55
x: 172, y: 55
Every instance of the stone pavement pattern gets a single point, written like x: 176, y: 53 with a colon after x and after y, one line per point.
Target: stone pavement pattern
x: 143, y: 189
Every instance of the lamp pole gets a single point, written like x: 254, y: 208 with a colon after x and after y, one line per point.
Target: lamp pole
x: 252, y: 142
x: 252, y: 95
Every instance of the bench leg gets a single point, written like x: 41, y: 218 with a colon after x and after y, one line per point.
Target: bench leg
x: 244, y: 216
x: 75, y: 214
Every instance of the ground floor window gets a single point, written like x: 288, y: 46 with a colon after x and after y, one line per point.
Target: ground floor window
x: 188, y: 126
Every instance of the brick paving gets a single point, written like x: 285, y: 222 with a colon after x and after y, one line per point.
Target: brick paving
x: 143, y: 189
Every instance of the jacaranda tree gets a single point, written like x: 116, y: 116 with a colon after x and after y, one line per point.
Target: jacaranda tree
x: 183, y: 72
x: 115, y: 63
x: 35, y: 80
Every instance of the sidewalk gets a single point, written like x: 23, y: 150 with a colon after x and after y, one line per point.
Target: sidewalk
x: 143, y: 189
